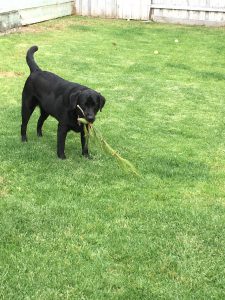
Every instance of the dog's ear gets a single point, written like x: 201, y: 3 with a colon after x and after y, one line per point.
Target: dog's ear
x: 101, y: 102
x: 72, y: 100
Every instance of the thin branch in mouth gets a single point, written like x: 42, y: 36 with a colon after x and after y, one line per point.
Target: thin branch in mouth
x: 78, y: 106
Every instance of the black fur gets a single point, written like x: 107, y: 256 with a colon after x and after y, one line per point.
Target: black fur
x: 59, y: 98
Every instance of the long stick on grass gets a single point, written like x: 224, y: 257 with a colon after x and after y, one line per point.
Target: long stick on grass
x: 92, y: 132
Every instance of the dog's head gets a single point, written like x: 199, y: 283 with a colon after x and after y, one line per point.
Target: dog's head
x: 89, y: 101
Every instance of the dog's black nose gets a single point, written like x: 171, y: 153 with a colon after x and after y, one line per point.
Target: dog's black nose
x: 90, y: 119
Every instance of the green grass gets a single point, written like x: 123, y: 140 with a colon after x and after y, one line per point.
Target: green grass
x: 82, y: 229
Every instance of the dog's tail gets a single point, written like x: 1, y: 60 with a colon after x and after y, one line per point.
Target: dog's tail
x: 30, y: 59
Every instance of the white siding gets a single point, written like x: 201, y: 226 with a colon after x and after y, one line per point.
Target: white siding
x: 23, y: 4
x: 42, y: 13
x: 14, y: 13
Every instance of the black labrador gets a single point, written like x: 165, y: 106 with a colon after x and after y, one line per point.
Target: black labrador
x: 64, y: 100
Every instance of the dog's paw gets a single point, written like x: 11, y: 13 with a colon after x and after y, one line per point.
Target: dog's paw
x: 39, y: 134
x: 62, y: 156
x: 24, y: 139
x: 87, y: 156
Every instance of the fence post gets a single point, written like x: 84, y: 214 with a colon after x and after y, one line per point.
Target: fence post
x: 150, y: 10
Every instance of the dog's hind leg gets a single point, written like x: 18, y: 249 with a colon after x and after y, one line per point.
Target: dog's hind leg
x: 41, y: 120
x: 28, y: 105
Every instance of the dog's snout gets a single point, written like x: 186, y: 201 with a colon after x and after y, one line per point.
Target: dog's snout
x: 90, y: 118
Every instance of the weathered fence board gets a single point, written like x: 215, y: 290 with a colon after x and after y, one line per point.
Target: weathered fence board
x: 132, y: 9
x: 203, y: 12
x: 199, y: 12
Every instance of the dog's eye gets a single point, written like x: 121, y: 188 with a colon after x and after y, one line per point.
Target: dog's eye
x: 90, y: 102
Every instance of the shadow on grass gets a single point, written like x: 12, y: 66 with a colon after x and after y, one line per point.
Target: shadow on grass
x: 37, y: 148
x: 178, y: 66
x: 178, y: 168
x: 202, y: 74
x: 83, y: 28
x: 43, y: 150
x: 211, y: 75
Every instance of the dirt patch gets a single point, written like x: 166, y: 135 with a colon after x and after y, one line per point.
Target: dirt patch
x: 51, y: 25
x: 10, y: 74
x: 38, y: 28
x: 31, y: 28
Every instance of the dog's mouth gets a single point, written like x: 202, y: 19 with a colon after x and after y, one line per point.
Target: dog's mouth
x: 89, y: 118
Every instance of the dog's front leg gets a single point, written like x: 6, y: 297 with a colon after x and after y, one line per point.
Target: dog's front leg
x: 84, y: 144
x: 61, y: 138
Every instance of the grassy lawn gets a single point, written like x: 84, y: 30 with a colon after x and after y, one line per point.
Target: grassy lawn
x: 83, y: 229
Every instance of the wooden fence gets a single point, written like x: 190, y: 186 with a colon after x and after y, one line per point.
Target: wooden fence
x: 122, y: 9
x: 194, y: 12
x: 199, y: 12
x: 14, y: 13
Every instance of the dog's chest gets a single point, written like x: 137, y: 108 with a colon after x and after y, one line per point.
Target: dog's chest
x: 76, y: 128
x: 74, y: 124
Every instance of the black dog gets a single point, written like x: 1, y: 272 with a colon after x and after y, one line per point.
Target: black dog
x: 64, y: 100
